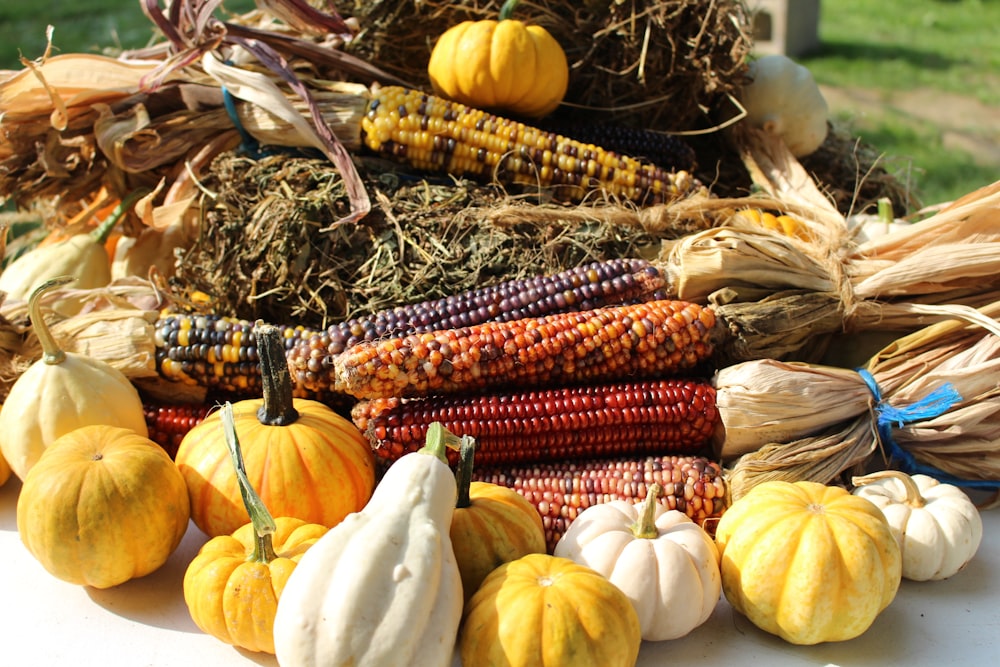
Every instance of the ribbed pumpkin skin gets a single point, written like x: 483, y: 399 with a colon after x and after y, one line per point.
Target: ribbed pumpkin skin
x: 544, y: 611
x: 807, y: 561
x: 102, y: 505
x: 234, y: 598
x: 500, y: 65
x: 318, y: 469
x: 498, y: 526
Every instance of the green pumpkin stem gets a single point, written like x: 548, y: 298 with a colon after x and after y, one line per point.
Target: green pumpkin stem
x: 507, y: 9
x: 279, y: 407
x: 51, y: 352
x: 101, y: 233
x: 463, y: 475
x: 263, y: 523
x: 645, y: 527
x: 439, y: 439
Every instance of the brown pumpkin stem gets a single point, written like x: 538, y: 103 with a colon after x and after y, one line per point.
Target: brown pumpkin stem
x: 263, y: 523
x: 507, y: 9
x: 279, y: 407
x: 913, y: 496
x: 645, y: 527
x: 463, y: 475
x: 51, y: 352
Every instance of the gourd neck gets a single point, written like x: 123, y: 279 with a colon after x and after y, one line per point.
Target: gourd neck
x: 645, y: 526
x: 276, y: 381
x: 507, y: 9
x: 260, y: 518
x: 913, y: 498
x: 51, y: 352
x: 463, y: 475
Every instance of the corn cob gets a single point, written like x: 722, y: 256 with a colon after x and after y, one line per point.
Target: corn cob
x: 694, y: 485
x: 434, y: 134
x: 783, y: 223
x: 220, y: 352
x: 654, y: 416
x: 660, y: 148
x: 643, y: 340
x: 168, y: 424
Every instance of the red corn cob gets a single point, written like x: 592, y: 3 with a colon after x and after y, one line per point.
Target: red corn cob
x: 646, y: 417
x: 168, y: 424
x: 694, y: 485
x: 643, y: 340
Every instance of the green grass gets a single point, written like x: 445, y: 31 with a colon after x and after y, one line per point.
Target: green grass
x: 885, y: 45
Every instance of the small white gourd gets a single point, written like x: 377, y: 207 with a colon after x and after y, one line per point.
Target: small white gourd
x: 937, y: 526
x: 382, y: 588
x: 665, y: 563
x: 61, y: 392
x: 783, y: 99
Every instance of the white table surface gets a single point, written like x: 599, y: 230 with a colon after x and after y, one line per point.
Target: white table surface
x: 144, y: 622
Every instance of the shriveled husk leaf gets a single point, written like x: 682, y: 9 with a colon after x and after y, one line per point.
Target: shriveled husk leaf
x: 779, y: 416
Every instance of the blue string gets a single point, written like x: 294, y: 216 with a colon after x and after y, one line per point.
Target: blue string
x: 249, y: 145
x: 934, y: 404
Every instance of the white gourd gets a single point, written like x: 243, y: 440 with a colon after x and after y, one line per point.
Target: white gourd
x: 382, y: 588
x: 61, y: 392
x: 783, y: 99
x: 937, y: 526
x: 666, y: 564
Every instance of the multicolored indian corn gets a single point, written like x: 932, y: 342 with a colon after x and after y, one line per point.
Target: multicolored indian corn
x: 435, y: 134
x: 169, y: 423
x: 643, y: 340
x: 674, y: 415
x: 694, y: 485
x: 220, y: 352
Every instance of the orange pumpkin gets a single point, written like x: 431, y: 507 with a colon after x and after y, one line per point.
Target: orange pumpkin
x: 492, y: 525
x: 304, y: 459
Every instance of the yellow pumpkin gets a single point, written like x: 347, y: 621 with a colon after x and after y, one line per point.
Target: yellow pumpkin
x: 808, y: 562
x: 4, y: 466
x: 233, y: 585
x: 492, y: 525
x: 504, y: 65
x: 102, y: 505
x: 304, y: 460
x: 545, y: 611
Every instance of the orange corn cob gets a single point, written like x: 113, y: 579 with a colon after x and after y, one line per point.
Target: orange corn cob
x: 646, y: 417
x: 560, y: 491
x: 643, y: 340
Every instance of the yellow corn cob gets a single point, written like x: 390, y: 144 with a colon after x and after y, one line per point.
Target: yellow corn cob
x: 435, y: 134
x: 783, y: 224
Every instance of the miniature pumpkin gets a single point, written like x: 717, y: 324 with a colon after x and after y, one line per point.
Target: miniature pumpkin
x: 545, y: 611
x: 808, y: 562
x: 665, y: 563
x: 500, y: 65
x: 61, y: 392
x: 381, y: 588
x: 937, y: 526
x: 492, y: 525
x: 102, y: 505
x: 232, y: 586
x: 304, y: 459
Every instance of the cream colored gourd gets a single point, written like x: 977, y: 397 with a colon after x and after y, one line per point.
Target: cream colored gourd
x: 59, y: 393
x: 665, y: 563
x: 381, y: 588
x: 783, y: 99
x: 81, y: 257
x: 937, y: 526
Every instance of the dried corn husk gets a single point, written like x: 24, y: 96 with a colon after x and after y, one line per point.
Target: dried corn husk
x: 796, y: 420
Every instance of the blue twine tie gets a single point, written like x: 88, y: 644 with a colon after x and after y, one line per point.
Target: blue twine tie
x: 248, y: 145
x: 934, y: 404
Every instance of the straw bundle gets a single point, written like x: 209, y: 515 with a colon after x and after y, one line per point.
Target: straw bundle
x: 929, y: 402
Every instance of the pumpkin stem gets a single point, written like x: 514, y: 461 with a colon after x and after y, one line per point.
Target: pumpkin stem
x: 439, y: 439
x: 101, y: 233
x: 263, y: 523
x: 507, y: 9
x: 913, y: 496
x: 466, y: 454
x: 51, y: 352
x: 645, y: 527
x: 279, y: 407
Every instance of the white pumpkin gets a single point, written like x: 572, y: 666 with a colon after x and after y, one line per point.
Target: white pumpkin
x: 937, y: 526
x: 782, y: 98
x: 666, y: 564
